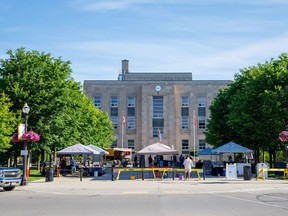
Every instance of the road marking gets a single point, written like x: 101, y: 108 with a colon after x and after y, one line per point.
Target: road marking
x: 175, y: 192
x: 135, y: 192
x: 251, y: 201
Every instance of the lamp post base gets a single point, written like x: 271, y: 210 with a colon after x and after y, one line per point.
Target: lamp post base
x: 24, y: 182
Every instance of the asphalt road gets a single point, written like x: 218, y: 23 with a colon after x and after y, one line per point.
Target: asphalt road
x: 70, y: 196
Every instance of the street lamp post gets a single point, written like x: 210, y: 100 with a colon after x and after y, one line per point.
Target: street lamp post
x: 25, y: 110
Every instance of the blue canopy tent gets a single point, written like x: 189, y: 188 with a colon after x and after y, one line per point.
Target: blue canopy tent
x: 231, y: 147
x: 206, y: 151
x: 207, y: 154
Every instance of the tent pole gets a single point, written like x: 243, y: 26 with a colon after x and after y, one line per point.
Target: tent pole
x: 194, y: 123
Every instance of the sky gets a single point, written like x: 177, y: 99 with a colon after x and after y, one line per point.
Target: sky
x: 212, y: 39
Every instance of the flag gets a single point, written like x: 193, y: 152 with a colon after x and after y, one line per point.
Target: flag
x: 123, y: 119
x: 194, y: 122
x: 159, y: 135
x: 249, y: 156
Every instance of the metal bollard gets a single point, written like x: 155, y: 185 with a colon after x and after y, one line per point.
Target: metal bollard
x: 81, y: 172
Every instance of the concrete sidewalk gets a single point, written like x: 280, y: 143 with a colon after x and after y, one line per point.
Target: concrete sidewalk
x: 94, y: 186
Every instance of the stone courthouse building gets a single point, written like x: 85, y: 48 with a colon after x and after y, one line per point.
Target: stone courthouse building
x: 147, y: 107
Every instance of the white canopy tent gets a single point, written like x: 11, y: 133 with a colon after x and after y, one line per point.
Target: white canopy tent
x: 157, y: 149
x: 99, y: 157
x: 78, y: 149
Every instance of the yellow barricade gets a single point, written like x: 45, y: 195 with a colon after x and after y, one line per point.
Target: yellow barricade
x: 153, y: 170
x: 261, y: 173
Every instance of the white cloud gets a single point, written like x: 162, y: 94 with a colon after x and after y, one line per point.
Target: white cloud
x: 103, y: 59
x: 103, y: 5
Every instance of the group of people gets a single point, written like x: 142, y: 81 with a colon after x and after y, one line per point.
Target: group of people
x: 158, y: 161
x: 63, y: 165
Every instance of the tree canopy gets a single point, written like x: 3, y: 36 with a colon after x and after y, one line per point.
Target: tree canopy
x: 7, y: 122
x: 253, y: 109
x: 59, y: 111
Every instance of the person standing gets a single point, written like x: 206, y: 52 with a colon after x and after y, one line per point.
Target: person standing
x: 73, y: 165
x: 135, y: 161
x: 174, y: 162
x: 63, y: 166
x: 150, y: 161
x: 188, y: 163
x: 181, y: 161
x: 161, y: 161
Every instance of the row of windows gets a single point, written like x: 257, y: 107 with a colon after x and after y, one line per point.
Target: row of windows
x: 185, y: 146
x: 185, y: 113
x: 158, y: 112
x: 114, y: 101
x: 131, y: 101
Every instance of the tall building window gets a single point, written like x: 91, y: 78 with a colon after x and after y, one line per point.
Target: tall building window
x: 202, y: 144
x: 113, y: 101
x: 131, y: 144
x: 185, y: 146
x: 131, y: 119
x: 184, y: 101
x: 185, y: 112
x: 114, y: 111
x: 158, y: 107
x: 131, y: 101
x: 201, y: 113
x: 97, y: 102
x: 158, y: 115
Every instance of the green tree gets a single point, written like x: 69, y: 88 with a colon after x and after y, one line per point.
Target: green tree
x: 7, y: 123
x: 253, y: 110
x: 59, y: 111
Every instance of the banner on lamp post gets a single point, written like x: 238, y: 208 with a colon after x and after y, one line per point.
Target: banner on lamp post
x: 24, y: 152
x: 21, y: 131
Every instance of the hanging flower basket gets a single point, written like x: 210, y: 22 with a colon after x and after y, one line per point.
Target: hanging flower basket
x: 15, y: 138
x: 283, y: 136
x: 29, y: 137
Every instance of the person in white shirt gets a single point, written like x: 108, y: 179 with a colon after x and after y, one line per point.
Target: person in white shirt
x: 188, y: 163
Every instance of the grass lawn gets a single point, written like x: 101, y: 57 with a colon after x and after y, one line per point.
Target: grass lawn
x: 35, y: 174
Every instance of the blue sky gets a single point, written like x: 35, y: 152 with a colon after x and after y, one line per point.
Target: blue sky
x: 213, y: 39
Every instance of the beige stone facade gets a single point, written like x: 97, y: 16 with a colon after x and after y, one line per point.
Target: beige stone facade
x: 174, y: 107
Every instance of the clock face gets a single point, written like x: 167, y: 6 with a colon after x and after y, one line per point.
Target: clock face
x: 157, y: 88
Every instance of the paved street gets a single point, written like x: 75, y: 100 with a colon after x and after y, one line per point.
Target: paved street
x: 214, y: 196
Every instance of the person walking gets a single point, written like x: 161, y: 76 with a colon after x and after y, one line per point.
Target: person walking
x: 188, y: 163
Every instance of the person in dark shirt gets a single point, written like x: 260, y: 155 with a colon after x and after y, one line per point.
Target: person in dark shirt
x: 150, y: 160
x: 181, y: 160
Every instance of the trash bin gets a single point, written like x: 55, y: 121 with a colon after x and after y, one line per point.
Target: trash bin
x: 49, y: 173
x: 247, y: 172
